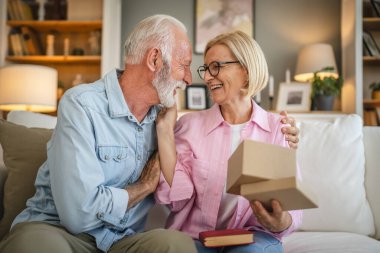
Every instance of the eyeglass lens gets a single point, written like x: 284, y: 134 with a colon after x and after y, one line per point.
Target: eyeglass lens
x: 213, y: 68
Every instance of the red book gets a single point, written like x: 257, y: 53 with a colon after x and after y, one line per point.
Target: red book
x: 226, y: 237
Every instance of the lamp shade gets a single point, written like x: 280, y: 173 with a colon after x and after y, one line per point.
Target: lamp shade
x: 28, y: 87
x: 313, y: 58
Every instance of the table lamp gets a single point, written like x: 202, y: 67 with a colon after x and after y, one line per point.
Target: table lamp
x: 313, y: 58
x: 28, y: 87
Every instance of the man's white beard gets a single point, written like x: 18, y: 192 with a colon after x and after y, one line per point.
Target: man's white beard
x: 165, y: 86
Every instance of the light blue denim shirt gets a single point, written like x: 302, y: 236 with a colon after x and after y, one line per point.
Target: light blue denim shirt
x: 97, y: 149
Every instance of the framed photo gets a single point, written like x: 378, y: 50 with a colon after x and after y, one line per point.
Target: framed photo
x: 218, y: 16
x: 376, y: 6
x: 370, y: 44
x: 196, y: 97
x: 294, y: 97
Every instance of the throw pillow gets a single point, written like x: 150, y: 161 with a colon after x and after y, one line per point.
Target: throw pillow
x: 32, y: 119
x: 24, y: 152
x: 331, y: 158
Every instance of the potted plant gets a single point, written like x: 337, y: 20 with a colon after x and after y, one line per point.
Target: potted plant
x: 375, y: 87
x: 324, y: 90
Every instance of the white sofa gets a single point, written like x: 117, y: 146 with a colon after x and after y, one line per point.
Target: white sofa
x: 340, y: 161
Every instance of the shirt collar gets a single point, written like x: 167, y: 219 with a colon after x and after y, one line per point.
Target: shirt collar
x: 259, y: 116
x: 117, y: 105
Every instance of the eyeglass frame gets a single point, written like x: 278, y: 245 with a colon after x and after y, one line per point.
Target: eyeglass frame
x: 207, y: 67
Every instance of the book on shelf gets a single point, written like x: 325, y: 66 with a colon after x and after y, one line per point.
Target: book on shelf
x: 262, y: 171
x: 31, y: 40
x: 15, y: 42
x: 226, y: 237
x: 19, y: 10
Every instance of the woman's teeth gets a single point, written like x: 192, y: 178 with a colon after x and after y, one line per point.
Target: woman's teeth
x: 215, y: 86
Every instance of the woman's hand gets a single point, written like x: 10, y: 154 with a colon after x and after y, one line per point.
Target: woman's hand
x: 291, y: 132
x: 275, y: 221
x: 166, y: 119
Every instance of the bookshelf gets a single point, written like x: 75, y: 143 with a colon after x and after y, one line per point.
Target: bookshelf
x: 371, y: 65
x: 67, y: 64
x: 91, y: 66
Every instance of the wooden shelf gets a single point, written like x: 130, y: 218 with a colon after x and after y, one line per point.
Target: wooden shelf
x: 58, y: 25
x: 371, y: 59
x: 55, y: 59
x: 371, y: 103
x: 371, y: 23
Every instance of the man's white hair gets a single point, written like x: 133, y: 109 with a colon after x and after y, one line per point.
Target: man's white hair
x: 154, y: 31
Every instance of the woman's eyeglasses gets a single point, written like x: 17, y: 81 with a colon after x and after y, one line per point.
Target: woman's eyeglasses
x: 213, y: 68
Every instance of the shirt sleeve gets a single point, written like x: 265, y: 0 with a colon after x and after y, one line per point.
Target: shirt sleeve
x: 182, y: 188
x: 82, y: 200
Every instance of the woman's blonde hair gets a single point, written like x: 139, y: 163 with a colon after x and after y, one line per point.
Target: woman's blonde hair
x: 249, y: 54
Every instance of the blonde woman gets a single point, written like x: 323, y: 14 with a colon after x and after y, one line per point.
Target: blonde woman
x: 194, y: 159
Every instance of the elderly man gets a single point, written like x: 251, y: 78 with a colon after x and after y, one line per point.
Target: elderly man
x: 91, y: 193
x: 94, y: 191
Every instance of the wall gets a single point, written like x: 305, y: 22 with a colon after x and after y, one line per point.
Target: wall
x: 281, y: 28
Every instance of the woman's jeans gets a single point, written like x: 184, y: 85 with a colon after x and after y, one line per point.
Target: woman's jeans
x: 264, y: 243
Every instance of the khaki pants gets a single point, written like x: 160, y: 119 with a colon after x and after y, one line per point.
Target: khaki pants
x: 40, y: 237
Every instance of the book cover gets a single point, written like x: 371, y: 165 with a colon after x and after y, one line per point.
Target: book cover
x: 226, y: 237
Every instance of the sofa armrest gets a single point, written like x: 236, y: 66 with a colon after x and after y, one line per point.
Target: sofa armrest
x: 3, y: 176
x: 372, y: 172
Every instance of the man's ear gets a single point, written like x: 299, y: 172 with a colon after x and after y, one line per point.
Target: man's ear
x: 154, y: 59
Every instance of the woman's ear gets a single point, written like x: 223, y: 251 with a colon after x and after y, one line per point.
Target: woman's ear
x: 154, y: 59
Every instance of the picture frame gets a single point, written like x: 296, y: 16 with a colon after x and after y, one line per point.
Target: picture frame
x: 196, y: 96
x: 219, y: 16
x: 376, y: 6
x: 370, y: 44
x: 294, y: 97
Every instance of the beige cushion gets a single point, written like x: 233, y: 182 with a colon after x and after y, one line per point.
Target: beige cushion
x: 24, y: 152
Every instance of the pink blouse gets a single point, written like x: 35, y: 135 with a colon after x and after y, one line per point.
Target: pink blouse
x: 203, y: 148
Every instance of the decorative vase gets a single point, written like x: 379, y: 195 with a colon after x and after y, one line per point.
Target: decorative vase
x: 323, y: 103
x: 376, y: 94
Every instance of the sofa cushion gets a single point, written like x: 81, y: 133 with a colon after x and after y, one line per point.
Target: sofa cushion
x: 24, y: 152
x: 372, y: 172
x: 32, y: 119
x: 331, y: 158
x: 330, y: 242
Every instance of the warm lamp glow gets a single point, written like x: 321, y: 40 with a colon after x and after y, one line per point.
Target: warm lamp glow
x: 313, y: 58
x: 28, y: 87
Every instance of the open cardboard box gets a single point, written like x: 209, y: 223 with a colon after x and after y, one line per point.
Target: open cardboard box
x: 262, y: 171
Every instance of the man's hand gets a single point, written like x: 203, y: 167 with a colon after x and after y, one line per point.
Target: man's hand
x: 147, y: 183
x: 275, y: 221
x: 151, y: 172
x: 291, y: 132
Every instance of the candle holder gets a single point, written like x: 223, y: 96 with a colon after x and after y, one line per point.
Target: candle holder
x: 270, y: 103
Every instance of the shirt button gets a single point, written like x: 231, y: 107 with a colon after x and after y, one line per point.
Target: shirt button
x: 139, y: 129
x: 119, y: 157
x: 100, y: 215
x: 122, y: 222
x: 106, y: 157
x: 130, y: 117
x: 138, y: 157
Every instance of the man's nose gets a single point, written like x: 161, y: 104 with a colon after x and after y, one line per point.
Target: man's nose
x: 188, y: 78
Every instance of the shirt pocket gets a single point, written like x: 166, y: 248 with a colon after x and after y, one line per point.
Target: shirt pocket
x: 114, y: 163
x: 200, y: 170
